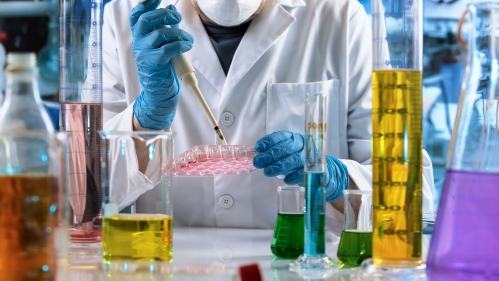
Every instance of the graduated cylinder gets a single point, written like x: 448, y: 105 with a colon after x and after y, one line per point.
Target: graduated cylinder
x: 397, y: 133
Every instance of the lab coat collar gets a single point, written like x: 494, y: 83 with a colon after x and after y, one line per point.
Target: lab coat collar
x: 202, y: 55
x: 292, y: 3
x: 272, y: 21
x: 263, y: 31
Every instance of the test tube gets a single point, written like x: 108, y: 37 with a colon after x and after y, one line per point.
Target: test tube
x: 314, y: 256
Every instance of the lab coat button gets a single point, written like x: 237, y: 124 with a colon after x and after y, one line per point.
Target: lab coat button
x: 226, y: 201
x: 225, y: 255
x: 227, y: 118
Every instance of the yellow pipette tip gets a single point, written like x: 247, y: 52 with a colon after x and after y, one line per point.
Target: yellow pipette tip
x: 220, y: 135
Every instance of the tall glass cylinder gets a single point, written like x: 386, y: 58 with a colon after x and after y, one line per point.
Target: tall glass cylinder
x: 314, y: 256
x: 464, y: 245
x: 137, y: 170
x: 397, y: 133
x: 80, y: 96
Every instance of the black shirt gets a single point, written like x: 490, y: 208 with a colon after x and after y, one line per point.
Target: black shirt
x: 225, y: 41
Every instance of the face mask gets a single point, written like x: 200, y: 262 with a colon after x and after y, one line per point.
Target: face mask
x: 229, y: 12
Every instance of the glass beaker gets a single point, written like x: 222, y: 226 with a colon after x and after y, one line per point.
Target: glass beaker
x: 34, y: 217
x: 137, y: 171
x: 397, y: 134
x: 464, y: 244
x: 288, y: 238
x: 357, y: 235
x: 80, y: 97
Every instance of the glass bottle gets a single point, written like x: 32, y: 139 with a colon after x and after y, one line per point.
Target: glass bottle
x: 23, y: 108
x: 34, y: 217
x: 464, y: 244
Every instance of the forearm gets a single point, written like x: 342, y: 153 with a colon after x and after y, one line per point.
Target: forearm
x: 141, y: 150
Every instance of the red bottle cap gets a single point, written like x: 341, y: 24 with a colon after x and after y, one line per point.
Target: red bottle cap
x: 3, y: 36
x: 250, y: 272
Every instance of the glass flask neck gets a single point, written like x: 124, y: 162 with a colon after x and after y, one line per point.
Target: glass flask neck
x: 357, y: 210
x: 476, y: 131
x: 23, y: 108
x: 290, y: 199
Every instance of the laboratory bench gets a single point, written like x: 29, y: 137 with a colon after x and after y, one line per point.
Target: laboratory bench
x: 218, y: 252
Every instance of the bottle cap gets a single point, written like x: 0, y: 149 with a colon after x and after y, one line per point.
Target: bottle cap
x: 17, y: 61
x: 3, y: 36
x: 250, y: 272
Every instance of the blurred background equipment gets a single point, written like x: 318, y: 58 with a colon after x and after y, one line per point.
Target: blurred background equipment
x: 443, y: 69
x: 33, y: 26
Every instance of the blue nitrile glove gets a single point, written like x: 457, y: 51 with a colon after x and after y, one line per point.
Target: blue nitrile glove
x: 153, y: 46
x: 282, y: 153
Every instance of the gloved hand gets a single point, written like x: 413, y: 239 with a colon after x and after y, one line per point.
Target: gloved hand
x: 153, y: 46
x: 283, y: 153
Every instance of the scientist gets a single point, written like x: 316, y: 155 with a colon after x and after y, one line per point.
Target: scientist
x: 255, y: 60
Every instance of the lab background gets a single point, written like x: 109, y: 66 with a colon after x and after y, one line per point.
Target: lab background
x: 32, y: 26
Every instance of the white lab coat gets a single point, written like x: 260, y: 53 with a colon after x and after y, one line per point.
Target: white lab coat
x: 292, y: 47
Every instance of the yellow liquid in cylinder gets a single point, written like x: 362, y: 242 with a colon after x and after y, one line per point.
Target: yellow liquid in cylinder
x: 397, y: 168
x: 144, y: 237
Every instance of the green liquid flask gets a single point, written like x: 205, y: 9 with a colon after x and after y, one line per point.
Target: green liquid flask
x: 288, y: 239
x: 356, y: 237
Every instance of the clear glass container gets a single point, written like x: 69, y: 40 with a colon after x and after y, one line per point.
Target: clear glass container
x: 314, y: 261
x: 357, y: 235
x: 136, y: 207
x: 288, y: 239
x: 464, y: 244
x: 80, y: 103
x: 397, y: 135
x: 23, y: 108
x: 34, y: 217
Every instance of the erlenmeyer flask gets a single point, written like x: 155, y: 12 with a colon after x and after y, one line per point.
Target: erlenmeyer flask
x: 288, y: 239
x: 357, y: 235
x: 464, y: 245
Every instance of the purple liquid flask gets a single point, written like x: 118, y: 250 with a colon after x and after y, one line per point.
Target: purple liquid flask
x: 464, y: 245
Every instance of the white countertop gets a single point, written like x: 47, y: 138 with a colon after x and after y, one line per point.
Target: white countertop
x: 218, y: 251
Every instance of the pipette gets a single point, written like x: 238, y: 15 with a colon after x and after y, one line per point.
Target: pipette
x: 186, y: 72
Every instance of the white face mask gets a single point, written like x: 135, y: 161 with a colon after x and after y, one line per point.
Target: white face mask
x: 229, y: 12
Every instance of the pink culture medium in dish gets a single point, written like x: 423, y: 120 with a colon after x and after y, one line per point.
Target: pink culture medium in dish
x: 208, y: 160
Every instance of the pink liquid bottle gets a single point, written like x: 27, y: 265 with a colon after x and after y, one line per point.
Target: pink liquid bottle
x: 465, y: 240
